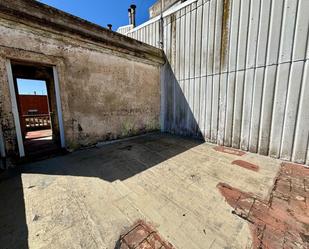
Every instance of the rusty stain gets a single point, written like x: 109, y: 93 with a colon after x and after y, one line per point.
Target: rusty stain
x: 231, y: 151
x: 225, y: 31
x: 246, y: 165
x: 173, y: 37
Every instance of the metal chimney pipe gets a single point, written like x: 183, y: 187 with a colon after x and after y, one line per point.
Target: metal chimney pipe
x: 109, y: 26
x: 130, y: 16
x: 133, y: 14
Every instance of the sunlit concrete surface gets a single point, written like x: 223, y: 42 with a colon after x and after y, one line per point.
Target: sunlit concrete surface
x: 88, y: 198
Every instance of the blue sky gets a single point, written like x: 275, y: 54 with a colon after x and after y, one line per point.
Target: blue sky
x: 103, y: 12
x: 31, y: 86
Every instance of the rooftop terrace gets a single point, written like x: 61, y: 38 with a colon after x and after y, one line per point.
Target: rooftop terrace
x: 194, y: 194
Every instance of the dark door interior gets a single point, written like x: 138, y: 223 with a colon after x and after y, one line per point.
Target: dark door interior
x: 36, y: 100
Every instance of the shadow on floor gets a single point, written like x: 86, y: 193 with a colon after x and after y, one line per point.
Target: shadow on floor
x: 40, y: 145
x: 13, y: 226
x: 122, y: 160
x: 118, y: 161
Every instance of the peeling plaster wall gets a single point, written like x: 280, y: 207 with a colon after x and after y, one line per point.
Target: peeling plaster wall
x: 105, y: 94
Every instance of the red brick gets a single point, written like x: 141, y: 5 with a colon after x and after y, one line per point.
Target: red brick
x: 144, y: 245
x: 299, y: 210
x: 136, y: 236
x: 298, y: 194
x: 243, y: 206
x: 283, y: 187
x: 229, y: 150
x: 230, y: 194
x: 293, y: 240
x: 246, y: 165
x: 167, y: 245
x: 306, y: 185
x: 146, y: 226
x: 142, y: 235
x: 269, y: 217
x: 155, y: 241
x: 296, y: 170
x: 281, y: 221
x: 257, y: 231
x: 291, y: 244
x: 272, y: 238
x: 298, y: 187
x: 281, y: 196
x: 280, y: 209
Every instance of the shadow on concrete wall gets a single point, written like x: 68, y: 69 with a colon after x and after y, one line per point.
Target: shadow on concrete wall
x: 177, y: 112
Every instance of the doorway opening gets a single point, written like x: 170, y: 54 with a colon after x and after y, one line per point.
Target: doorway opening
x: 36, y: 101
x: 34, y: 115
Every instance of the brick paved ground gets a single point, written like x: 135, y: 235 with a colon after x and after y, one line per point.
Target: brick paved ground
x: 282, y: 221
x: 142, y: 236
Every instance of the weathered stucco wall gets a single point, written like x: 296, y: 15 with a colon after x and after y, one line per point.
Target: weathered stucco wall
x: 105, y: 93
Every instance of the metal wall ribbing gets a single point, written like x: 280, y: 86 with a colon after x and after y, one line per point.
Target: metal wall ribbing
x: 238, y: 73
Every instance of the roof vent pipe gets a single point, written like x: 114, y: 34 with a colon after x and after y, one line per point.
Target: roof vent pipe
x: 130, y: 16
x: 133, y: 14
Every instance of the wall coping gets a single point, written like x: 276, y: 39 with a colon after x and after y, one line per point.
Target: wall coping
x: 33, y: 13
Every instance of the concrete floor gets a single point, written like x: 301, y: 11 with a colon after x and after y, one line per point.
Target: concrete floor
x: 88, y: 198
x: 39, y: 134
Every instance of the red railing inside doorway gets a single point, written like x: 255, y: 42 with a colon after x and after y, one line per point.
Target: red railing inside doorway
x: 36, y: 122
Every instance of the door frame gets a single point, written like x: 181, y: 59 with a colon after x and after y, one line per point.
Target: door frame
x: 16, y: 112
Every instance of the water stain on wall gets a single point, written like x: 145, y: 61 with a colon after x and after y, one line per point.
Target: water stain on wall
x: 225, y: 31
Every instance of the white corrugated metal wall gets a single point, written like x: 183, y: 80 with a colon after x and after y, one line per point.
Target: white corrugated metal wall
x: 238, y: 73
x: 125, y: 29
x: 148, y: 32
